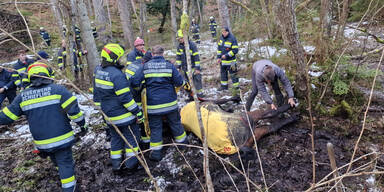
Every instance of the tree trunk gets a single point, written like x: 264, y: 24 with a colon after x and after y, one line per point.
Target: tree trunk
x: 101, y: 20
x: 173, y: 22
x: 200, y: 13
x: 93, y: 58
x: 224, y: 14
x: 285, y: 13
x: 59, y: 18
x: 207, y: 173
x: 125, y: 17
x: 142, y: 19
x: 110, y: 20
x: 323, y: 39
x: 90, y: 10
x: 268, y: 20
x: 343, y: 20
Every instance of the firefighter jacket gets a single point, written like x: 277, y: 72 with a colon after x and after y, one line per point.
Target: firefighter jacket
x: 131, y: 73
x: 227, y: 46
x: 48, y: 108
x: 45, y: 35
x: 6, y: 80
x: 94, y: 32
x: 111, y: 89
x: 61, y: 57
x: 212, y: 25
x: 134, y: 55
x: 181, y: 58
x: 161, y: 77
x: 195, y: 29
x: 77, y: 34
x: 21, y: 78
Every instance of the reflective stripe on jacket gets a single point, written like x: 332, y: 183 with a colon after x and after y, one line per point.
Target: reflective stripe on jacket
x: 181, y: 59
x: 112, y: 89
x: 48, y: 108
x: 134, y: 55
x: 161, y: 77
x: 227, y: 46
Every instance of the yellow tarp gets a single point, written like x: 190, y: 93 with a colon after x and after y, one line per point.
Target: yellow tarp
x: 216, y: 125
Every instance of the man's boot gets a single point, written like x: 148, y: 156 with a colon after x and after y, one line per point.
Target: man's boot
x: 116, y: 164
x: 156, y: 155
x: 131, y: 163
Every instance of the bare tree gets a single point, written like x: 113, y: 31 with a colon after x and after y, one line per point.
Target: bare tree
x: 173, y: 22
x: 143, y: 19
x: 286, y: 17
x: 323, y: 38
x: 109, y: 19
x: 59, y: 18
x: 200, y: 12
x: 268, y: 20
x: 93, y: 58
x: 224, y: 13
x: 90, y: 10
x: 125, y: 17
x: 343, y: 19
x: 101, y: 20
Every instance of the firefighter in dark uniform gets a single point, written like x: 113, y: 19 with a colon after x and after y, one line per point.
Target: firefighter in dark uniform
x: 137, y: 53
x: 94, y: 30
x: 62, y: 56
x: 131, y: 73
x: 195, y: 28
x: 161, y: 77
x: 181, y: 62
x: 112, y: 89
x: 226, y: 58
x: 49, y: 108
x: 7, y: 86
x: 20, y: 78
x: 212, y: 26
x: 45, y: 36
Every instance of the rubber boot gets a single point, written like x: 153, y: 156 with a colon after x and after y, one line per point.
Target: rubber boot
x: 182, y: 147
x: 131, y: 163
x: 222, y: 88
x: 116, y: 164
x: 156, y: 155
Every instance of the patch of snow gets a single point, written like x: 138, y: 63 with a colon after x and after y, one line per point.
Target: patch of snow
x: 309, y: 48
x: 168, y: 163
x: 244, y: 80
x: 315, y: 73
x: 22, y: 131
x: 161, y: 182
x: 170, y: 53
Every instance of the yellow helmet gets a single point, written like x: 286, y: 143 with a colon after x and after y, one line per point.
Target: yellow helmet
x: 179, y: 34
x: 112, y: 52
x: 38, y: 68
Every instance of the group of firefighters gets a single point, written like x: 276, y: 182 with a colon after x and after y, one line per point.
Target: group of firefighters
x: 50, y: 107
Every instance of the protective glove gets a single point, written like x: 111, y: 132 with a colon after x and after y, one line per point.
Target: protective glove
x: 83, y: 130
x: 140, y: 117
x: 187, y: 86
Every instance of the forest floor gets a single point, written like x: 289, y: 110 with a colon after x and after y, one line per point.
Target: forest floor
x: 285, y: 155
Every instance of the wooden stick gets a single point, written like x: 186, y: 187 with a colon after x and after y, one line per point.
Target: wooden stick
x: 331, y: 155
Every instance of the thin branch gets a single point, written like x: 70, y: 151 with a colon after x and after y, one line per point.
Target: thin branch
x: 25, y: 3
x: 341, y: 55
x: 245, y: 7
x: 366, y: 112
x: 378, y: 39
x: 140, y: 159
x: 254, y: 138
x: 26, y: 25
